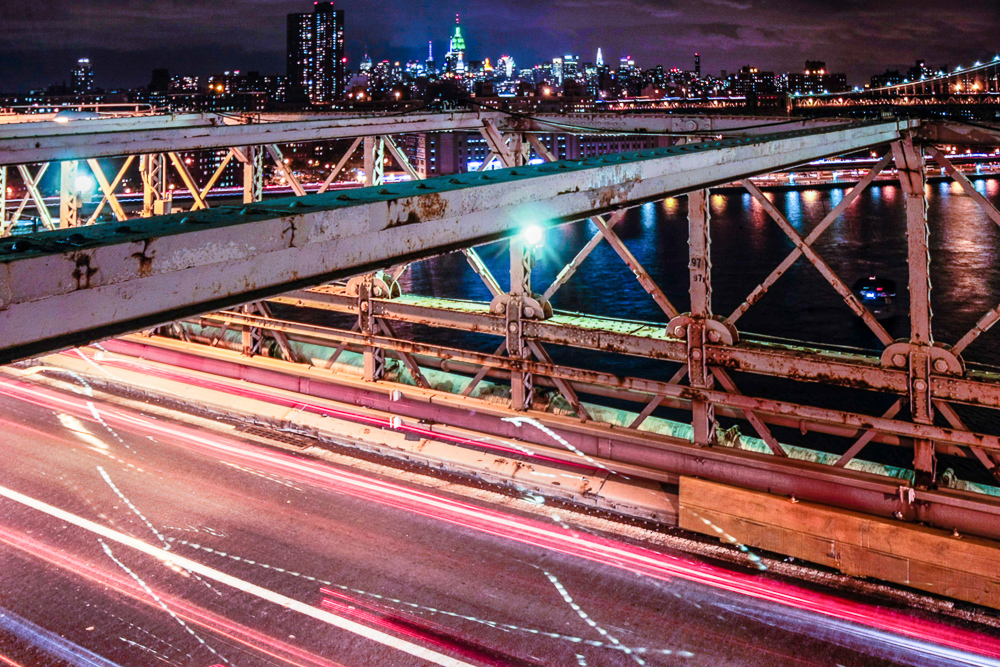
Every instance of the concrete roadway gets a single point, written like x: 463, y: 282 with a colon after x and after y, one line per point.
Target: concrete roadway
x: 128, y: 539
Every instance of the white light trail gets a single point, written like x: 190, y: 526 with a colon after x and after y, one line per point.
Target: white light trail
x: 234, y: 582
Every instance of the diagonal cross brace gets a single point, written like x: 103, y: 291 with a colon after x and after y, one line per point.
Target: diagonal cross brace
x: 992, y: 317
x: 867, y: 436
x: 31, y: 183
x: 571, y: 268
x: 482, y: 372
x: 109, y: 189
x: 758, y: 424
x: 199, y: 202
x: 640, y: 273
x: 279, y: 160
x: 408, y: 359
x: 759, y: 291
x: 657, y: 399
x: 956, y: 422
x: 340, y: 165
x: 821, y: 266
x: 564, y: 387
x: 497, y: 144
x: 604, y: 230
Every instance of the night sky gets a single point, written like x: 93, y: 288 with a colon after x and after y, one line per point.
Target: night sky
x: 126, y: 39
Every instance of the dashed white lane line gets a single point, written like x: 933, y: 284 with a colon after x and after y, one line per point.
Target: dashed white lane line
x: 161, y: 603
x: 316, y: 613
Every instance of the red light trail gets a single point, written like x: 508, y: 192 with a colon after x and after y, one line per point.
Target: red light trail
x: 527, y: 531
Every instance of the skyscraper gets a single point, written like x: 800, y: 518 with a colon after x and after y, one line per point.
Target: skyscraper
x: 455, y: 58
x: 697, y: 66
x: 316, y: 54
x: 571, y: 67
x: 82, y: 79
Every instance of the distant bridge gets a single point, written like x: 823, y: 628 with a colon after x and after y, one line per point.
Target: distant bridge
x: 964, y: 86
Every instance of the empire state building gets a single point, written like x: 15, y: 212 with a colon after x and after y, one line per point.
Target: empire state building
x: 455, y: 58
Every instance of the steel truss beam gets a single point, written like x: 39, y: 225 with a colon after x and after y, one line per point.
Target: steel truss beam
x: 804, y: 362
x: 659, y: 457
x: 739, y: 402
x: 922, y: 388
x: 38, y: 142
x: 31, y: 182
x: 167, y: 268
x: 434, y: 318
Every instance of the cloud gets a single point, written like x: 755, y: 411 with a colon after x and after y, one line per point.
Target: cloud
x: 42, y: 38
x: 732, y: 4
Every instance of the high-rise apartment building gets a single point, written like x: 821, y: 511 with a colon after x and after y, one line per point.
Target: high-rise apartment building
x: 316, y: 54
x: 82, y: 79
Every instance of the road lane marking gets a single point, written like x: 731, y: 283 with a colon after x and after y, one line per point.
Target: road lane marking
x: 135, y: 510
x: 568, y: 599
x: 160, y: 602
x: 234, y: 582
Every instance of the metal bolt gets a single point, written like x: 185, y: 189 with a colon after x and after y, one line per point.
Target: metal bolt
x: 714, y: 336
x: 364, y: 306
x: 941, y: 366
x: 512, y: 326
x: 696, y: 354
x: 678, y: 331
x: 899, y: 360
x: 920, y: 385
x: 529, y: 311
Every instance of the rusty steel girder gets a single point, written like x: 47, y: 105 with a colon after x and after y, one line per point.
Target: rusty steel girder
x: 804, y: 362
x: 105, y: 280
x: 35, y: 142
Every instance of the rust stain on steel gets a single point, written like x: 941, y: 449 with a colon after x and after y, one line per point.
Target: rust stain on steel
x: 145, y: 259
x: 610, y: 195
x: 431, y: 207
x: 418, y: 209
x: 82, y: 272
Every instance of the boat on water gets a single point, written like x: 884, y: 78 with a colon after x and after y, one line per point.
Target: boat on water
x: 878, y: 295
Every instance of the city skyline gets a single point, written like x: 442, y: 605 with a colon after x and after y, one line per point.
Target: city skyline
x: 734, y: 33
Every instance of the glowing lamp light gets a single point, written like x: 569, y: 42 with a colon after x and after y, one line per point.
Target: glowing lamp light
x: 533, y: 235
x: 83, y: 183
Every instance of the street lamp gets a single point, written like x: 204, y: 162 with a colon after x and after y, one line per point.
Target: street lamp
x: 533, y: 235
x: 83, y: 184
